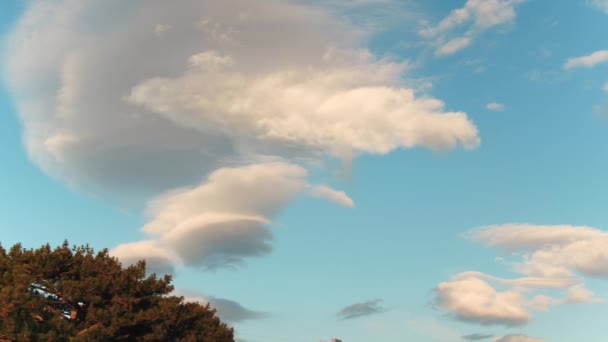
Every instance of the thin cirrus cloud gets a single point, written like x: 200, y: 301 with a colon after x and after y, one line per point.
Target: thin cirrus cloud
x: 588, y: 61
x: 463, y: 25
x: 147, y: 104
x: 553, y: 258
x: 370, y: 307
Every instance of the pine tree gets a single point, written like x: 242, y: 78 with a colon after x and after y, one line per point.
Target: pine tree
x: 75, y: 294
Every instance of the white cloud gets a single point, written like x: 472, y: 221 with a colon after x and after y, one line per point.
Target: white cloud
x: 328, y: 109
x: 553, y: 258
x: 158, y: 258
x: 153, y: 96
x: 524, y: 283
x: 526, y: 237
x: 517, y: 338
x: 581, y: 294
x: 468, y: 22
x: 216, y: 90
x: 496, y: 107
x: 576, y: 294
x: 474, y: 297
x: 470, y: 298
x: 336, y: 196
x: 589, y: 61
x: 226, y: 218
x: 551, y: 251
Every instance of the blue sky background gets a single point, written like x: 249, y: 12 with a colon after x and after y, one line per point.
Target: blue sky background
x: 542, y: 160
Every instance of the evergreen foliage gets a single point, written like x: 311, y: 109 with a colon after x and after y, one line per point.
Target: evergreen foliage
x: 75, y: 294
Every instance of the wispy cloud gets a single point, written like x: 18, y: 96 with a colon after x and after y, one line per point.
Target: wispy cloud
x: 463, y: 25
x: 588, y: 61
x: 333, y: 195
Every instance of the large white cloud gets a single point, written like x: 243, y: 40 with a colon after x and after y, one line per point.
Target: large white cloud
x: 149, y: 96
x: 135, y: 99
x: 462, y: 25
x: 328, y: 108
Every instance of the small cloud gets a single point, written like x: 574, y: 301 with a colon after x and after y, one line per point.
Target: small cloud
x: 158, y: 259
x: 587, y: 61
x: 368, y: 308
x: 517, y: 338
x: 452, y: 46
x: 477, y: 337
x: 232, y: 311
x: 468, y: 297
x: 333, y: 195
x: 496, y: 107
x: 159, y: 29
x: 227, y: 310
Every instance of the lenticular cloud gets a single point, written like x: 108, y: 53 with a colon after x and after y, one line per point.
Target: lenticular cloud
x: 134, y: 99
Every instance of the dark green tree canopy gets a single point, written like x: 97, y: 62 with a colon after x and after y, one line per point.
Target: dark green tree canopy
x: 75, y: 294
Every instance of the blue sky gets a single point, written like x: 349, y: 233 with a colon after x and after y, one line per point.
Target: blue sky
x: 372, y: 170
